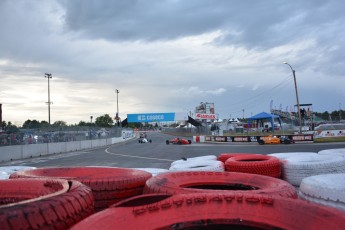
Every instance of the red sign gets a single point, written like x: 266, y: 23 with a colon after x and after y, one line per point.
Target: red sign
x: 205, y: 116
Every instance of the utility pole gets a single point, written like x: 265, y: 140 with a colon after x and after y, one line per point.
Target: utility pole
x: 298, y: 107
x: 339, y: 111
x: 49, y: 76
x: 117, y: 118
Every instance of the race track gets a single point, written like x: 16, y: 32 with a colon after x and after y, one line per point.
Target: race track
x: 158, y: 154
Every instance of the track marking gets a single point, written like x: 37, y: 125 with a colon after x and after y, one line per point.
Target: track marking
x: 148, y: 158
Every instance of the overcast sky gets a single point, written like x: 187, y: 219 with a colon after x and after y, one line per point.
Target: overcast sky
x: 168, y: 56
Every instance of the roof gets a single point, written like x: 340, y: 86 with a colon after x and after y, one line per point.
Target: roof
x: 263, y: 115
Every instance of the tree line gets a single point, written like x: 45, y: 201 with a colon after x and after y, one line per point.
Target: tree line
x: 336, y: 115
x: 104, y: 121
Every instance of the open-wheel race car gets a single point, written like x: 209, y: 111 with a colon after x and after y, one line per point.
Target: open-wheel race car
x: 178, y: 141
x: 143, y: 138
x: 275, y: 140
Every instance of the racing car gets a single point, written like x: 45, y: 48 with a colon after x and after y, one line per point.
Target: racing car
x: 274, y: 140
x: 143, y: 138
x: 178, y: 141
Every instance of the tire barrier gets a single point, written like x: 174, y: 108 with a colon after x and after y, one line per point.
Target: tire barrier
x: 109, y: 185
x: 294, y: 169
x: 153, y: 171
x: 326, y: 189
x: 43, y: 203
x: 201, y: 158
x: 4, y: 175
x: 338, y: 152
x: 224, y: 156
x: 199, y: 165
x: 13, y: 169
x: 254, y: 164
x: 214, y: 211
x: 283, y: 156
x: 219, y: 182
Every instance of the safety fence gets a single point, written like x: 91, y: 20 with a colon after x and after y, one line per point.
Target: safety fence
x: 17, y: 152
x: 58, y: 134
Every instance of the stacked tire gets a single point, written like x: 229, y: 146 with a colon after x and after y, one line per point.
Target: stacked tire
x: 214, y: 211
x: 43, y: 203
x: 218, y: 182
x: 203, y: 163
x: 109, y: 185
x: 254, y: 164
x: 326, y: 189
x: 296, y: 168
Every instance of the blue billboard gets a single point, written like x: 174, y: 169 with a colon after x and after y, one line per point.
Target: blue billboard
x: 150, y: 117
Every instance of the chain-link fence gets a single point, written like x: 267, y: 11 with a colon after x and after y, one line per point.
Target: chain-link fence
x: 58, y: 134
x: 190, y: 131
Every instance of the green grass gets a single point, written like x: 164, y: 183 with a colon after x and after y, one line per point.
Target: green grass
x: 329, y: 139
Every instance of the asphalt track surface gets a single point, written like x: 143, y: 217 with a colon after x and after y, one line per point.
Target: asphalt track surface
x: 158, y: 154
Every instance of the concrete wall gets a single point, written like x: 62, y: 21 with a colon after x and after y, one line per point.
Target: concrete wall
x: 18, y: 152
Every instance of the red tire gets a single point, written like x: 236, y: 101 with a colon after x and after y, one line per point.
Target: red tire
x: 224, y: 156
x: 219, y: 182
x: 214, y: 211
x: 109, y: 185
x: 254, y: 164
x: 43, y: 203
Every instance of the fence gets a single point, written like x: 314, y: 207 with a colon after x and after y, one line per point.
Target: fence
x: 58, y: 134
x: 190, y: 131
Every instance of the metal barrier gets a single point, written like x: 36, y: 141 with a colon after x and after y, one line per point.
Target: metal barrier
x: 58, y: 134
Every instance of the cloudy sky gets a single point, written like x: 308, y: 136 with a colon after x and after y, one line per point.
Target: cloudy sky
x: 168, y: 56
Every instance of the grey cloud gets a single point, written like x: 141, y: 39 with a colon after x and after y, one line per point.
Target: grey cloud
x: 250, y: 23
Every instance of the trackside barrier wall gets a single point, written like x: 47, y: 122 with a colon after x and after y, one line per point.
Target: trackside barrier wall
x: 199, y: 138
x: 296, y: 138
x: 17, y: 152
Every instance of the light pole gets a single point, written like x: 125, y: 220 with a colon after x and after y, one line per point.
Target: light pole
x: 90, y: 126
x: 339, y: 111
x: 298, y: 108
x: 49, y: 76
x: 117, y: 107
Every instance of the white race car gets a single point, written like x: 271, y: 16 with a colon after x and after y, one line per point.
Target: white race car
x: 145, y: 140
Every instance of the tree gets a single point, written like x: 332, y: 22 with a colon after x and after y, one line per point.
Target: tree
x: 31, y: 124
x: 9, y: 128
x: 60, y: 123
x: 104, y: 121
x: 82, y: 123
x: 44, y: 124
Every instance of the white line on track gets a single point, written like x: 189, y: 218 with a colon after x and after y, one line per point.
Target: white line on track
x: 149, y: 158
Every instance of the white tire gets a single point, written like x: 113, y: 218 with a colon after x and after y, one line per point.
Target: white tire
x: 283, y: 156
x: 338, y: 152
x: 294, y: 169
x: 326, y: 189
x: 4, y: 175
x: 153, y: 171
x: 202, y: 165
x: 207, y: 157
x: 13, y: 169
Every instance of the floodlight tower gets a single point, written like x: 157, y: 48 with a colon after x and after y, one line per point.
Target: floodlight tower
x: 49, y: 76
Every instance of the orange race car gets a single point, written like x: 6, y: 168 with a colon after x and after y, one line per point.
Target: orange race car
x: 274, y: 140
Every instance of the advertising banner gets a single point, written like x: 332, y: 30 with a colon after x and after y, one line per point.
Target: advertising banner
x: 205, y: 116
x: 329, y: 133
x: 151, y: 117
